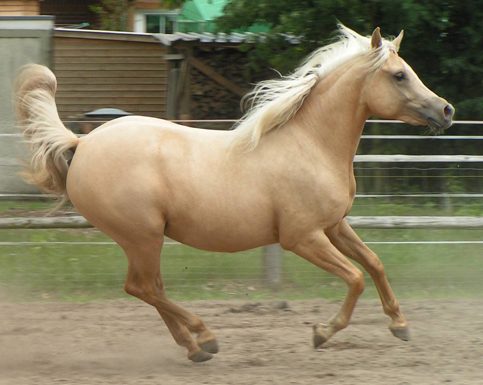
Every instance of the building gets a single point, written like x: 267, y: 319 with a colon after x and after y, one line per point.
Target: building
x: 19, y: 7
x: 171, y: 76
x: 194, y: 16
x: 146, y: 16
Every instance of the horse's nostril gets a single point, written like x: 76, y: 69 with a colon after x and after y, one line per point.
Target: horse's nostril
x: 448, y: 111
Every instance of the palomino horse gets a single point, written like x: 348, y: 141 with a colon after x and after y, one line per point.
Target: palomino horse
x: 284, y: 174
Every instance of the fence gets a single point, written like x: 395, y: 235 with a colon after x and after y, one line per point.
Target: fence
x: 419, y: 209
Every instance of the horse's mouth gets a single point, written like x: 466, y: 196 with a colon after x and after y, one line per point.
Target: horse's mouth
x: 437, y: 127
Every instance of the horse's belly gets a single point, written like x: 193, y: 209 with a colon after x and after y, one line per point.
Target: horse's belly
x: 222, y: 234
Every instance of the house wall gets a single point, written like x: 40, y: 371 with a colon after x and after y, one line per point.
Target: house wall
x: 19, y: 8
x: 109, y: 70
x: 23, y: 39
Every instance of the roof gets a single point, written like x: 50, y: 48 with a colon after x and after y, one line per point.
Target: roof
x: 105, y: 35
x: 169, y: 39
x: 207, y: 37
x: 221, y: 37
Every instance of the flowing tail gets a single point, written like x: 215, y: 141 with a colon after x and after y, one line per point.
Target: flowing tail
x: 48, y: 138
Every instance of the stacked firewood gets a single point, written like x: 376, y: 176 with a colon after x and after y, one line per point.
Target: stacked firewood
x: 211, y: 100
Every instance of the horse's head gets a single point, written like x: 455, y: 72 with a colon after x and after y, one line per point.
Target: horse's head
x: 394, y: 91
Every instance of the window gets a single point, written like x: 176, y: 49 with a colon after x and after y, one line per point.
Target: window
x: 160, y: 23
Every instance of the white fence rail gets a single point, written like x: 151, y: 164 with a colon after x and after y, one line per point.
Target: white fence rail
x: 418, y: 158
x: 272, y: 261
x: 368, y: 222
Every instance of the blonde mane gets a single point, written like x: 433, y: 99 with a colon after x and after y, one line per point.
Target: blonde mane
x: 274, y: 102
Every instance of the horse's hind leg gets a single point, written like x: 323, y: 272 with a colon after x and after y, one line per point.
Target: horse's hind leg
x: 347, y: 241
x: 144, y: 281
x: 317, y: 248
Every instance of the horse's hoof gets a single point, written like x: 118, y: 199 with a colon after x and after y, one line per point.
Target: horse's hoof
x: 320, y: 335
x: 401, y: 332
x: 318, y: 341
x: 210, y: 346
x: 200, y: 356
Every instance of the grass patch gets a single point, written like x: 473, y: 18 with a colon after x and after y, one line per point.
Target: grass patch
x: 83, y: 272
x: 418, y: 206
x: 23, y: 207
x: 39, y: 270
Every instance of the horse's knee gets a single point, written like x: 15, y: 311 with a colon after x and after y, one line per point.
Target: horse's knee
x: 357, y: 282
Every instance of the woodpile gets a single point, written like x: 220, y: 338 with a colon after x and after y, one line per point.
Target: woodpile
x: 212, y: 100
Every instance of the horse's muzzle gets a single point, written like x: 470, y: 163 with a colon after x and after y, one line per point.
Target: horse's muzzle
x: 440, y: 118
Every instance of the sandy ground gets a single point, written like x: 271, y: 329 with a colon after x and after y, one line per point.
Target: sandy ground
x: 123, y: 342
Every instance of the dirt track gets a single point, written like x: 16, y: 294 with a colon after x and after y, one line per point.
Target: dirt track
x: 123, y: 342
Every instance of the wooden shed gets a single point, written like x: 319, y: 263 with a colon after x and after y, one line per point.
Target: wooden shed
x: 99, y: 69
x: 170, y: 76
x: 19, y: 8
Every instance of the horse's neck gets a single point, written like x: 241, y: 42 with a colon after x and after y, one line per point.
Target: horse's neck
x: 332, y: 117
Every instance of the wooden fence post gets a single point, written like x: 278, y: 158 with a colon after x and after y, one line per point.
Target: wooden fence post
x: 272, y: 265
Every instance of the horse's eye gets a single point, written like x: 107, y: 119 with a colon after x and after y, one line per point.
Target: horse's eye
x: 400, y: 76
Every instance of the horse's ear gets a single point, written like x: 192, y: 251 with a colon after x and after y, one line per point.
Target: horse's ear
x: 398, y: 39
x: 376, y: 38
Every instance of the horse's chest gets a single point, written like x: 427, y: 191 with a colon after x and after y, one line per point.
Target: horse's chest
x: 331, y: 197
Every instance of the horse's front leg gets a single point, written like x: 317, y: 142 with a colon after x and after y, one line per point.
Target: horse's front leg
x: 348, y: 242
x: 317, y: 249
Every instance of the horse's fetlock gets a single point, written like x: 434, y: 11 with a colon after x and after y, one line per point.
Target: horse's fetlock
x: 339, y: 322
x: 391, y: 307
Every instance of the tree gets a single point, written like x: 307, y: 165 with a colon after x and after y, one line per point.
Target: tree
x: 443, y: 38
x: 113, y: 14
x: 173, y: 3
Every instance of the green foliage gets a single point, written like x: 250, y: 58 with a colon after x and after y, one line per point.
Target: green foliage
x: 172, y: 3
x: 112, y: 14
x: 443, y: 38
